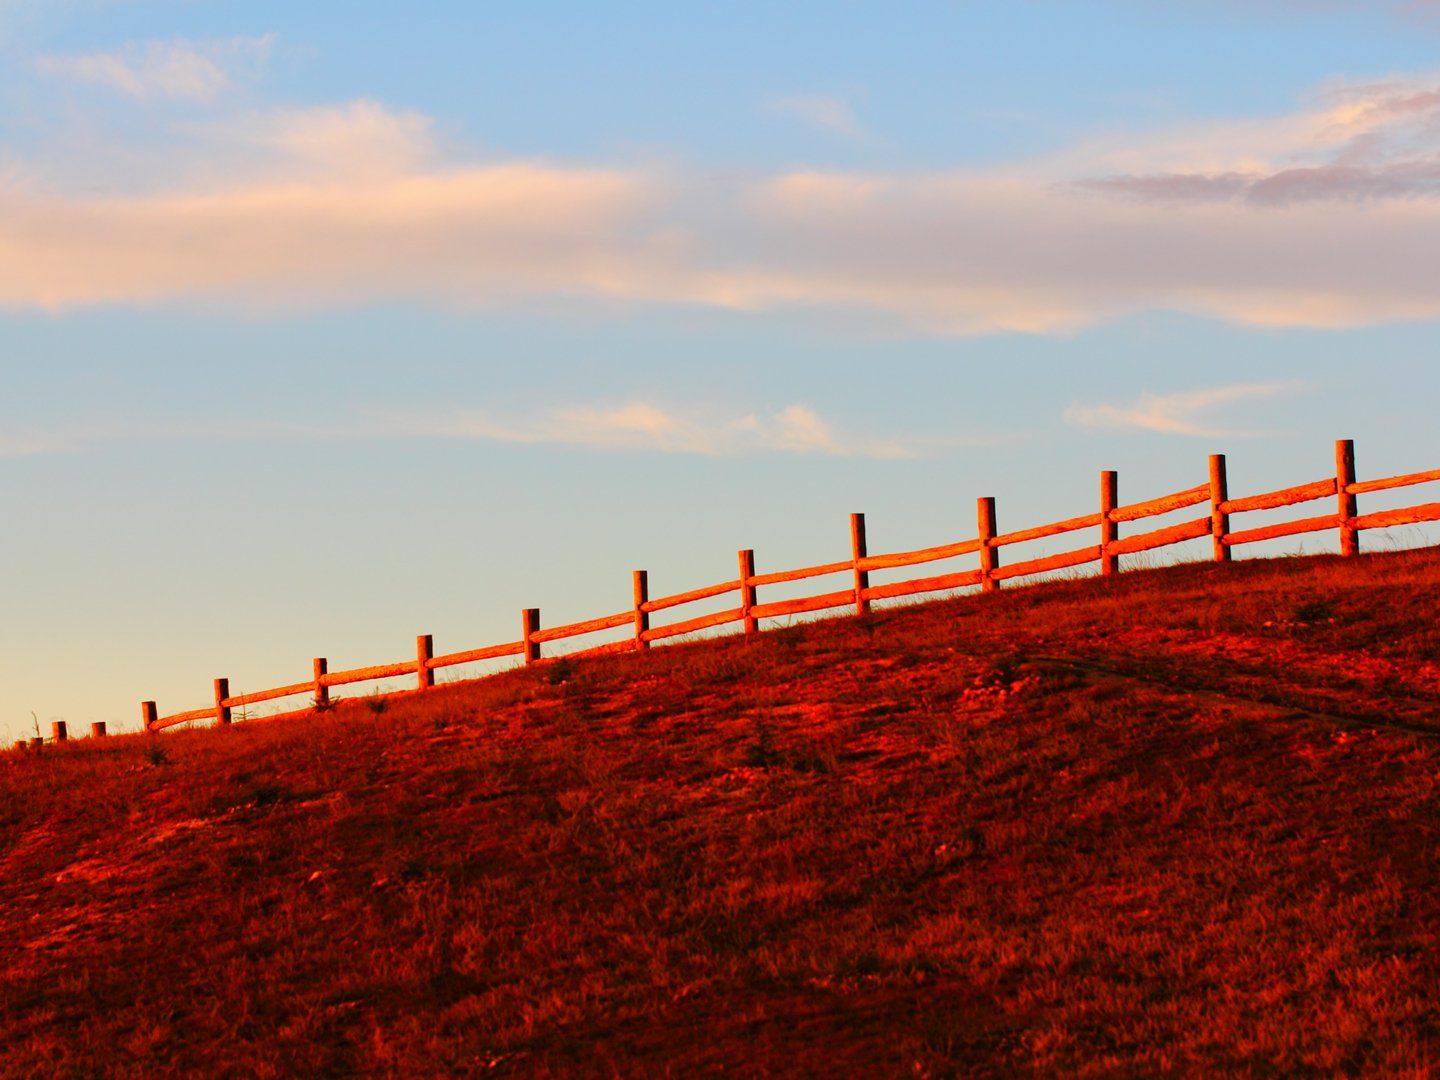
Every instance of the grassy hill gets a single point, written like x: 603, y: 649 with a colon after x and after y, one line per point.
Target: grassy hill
x: 1186, y: 821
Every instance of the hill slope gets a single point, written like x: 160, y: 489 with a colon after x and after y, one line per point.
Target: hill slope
x: 1180, y: 820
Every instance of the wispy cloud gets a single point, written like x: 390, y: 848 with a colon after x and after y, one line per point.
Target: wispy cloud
x: 646, y: 426
x: 831, y: 114
x: 1366, y: 141
x: 352, y: 142
x: 1259, y: 222
x: 1184, y: 413
x: 345, y: 208
x: 36, y: 445
x: 188, y: 70
x: 617, y: 426
x: 1423, y: 9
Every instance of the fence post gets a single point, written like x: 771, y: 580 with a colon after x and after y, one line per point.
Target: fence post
x: 989, y: 553
x: 321, y: 667
x: 148, y: 714
x: 641, y: 582
x: 1109, y: 529
x: 97, y: 729
x: 747, y: 590
x: 857, y: 552
x: 58, y: 731
x: 222, y: 691
x: 424, y: 653
x: 1344, y: 480
x: 529, y: 627
x: 1219, y: 496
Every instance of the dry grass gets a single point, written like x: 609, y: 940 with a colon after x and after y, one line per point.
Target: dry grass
x: 1184, y: 821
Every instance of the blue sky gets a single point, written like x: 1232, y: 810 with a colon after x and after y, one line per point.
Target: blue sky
x: 321, y: 326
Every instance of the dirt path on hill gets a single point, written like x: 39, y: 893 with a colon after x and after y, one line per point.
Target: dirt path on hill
x: 1349, y: 690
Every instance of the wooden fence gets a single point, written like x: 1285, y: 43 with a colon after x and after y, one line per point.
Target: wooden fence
x: 988, y: 545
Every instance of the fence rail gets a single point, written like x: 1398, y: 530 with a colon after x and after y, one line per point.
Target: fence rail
x: 987, y: 544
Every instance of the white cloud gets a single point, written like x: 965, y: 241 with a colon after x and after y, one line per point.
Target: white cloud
x: 624, y: 426
x: 350, y: 141
x: 1364, y: 7
x: 22, y: 446
x: 831, y: 114
x: 329, y: 206
x: 646, y: 426
x: 1182, y: 413
x: 187, y: 70
x: 342, y: 205
x: 1360, y: 141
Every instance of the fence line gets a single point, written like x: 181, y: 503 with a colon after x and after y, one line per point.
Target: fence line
x: 991, y: 572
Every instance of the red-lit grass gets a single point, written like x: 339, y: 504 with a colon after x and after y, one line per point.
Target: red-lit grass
x: 1179, y: 821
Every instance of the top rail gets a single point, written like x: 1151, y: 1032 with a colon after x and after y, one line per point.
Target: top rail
x: 369, y: 674
x: 471, y: 656
x: 1163, y: 505
x: 799, y: 575
x: 1040, y: 532
x: 689, y: 597
x: 268, y: 695
x: 1290, y: 496
x: 914, y: 558
x: 590, y: 626
x: 1408, y: 480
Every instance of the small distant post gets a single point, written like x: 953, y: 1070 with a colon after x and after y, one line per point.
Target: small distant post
x: 148, y: 714
x: 640, y: 580
x: 989, y: 553
x: 747, y: 590
x: 424, y: 653
x: 36, y: 742
x: 529, y: 627
x: 1109, y: 530
x: 97, y: 729
x: 222, y: 691
x: 321, y: 667
x: 857, y: 552
x: 1344, y: 481
x: 1219, y: 519
x: 58, y: 731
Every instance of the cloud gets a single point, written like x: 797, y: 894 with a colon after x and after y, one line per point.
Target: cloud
x: 624, y: 426
x: 645, y: 426
x: 831, y: 114
x: 1414, y: 13
x: 23, y: 446
x: 1260, y: 222
x: 1180, y: 413
x: 350, y: 141
x: 342, y: 211
x: 179, y: 69
x: 1364, y: 142
x: 638, y: 426
x: 1365, y: 7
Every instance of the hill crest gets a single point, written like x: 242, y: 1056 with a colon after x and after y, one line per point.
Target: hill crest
x: 1162, y: 821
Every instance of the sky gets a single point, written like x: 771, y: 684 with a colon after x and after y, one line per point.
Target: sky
x: 322, y: 326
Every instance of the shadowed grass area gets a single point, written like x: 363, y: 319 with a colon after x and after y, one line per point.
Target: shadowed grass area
x: 1182, y: 820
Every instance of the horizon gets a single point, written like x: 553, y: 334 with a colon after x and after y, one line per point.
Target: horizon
x: 324, y: 332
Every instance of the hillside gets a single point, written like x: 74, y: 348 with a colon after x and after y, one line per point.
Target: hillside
x: 1181, y: 820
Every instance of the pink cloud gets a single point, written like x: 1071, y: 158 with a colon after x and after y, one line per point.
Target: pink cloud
x: 1326, y: 218
x: 1369, y: 142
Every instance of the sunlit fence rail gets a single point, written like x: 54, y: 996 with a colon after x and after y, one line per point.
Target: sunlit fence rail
x: 988, y: 545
